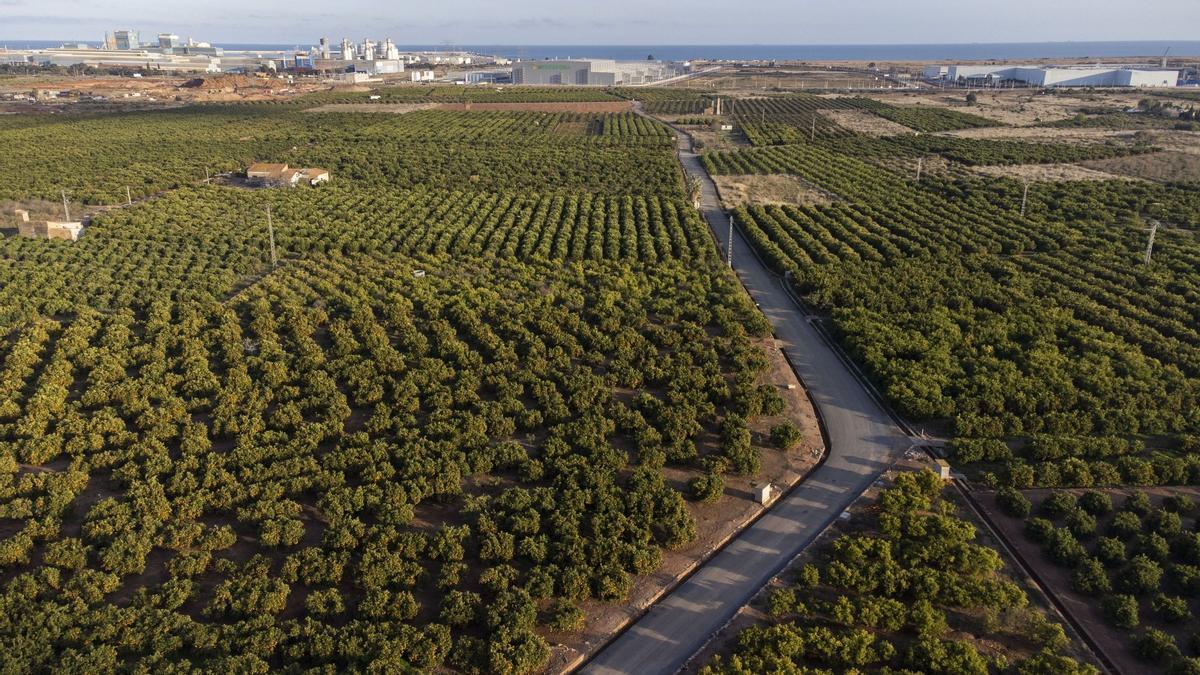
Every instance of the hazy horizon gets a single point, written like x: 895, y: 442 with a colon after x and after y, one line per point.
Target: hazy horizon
x: 615, y: 22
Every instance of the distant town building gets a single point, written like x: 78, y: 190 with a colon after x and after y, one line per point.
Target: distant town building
x: 168, y: 41
x: 281, y: 175
x: 126, y: 40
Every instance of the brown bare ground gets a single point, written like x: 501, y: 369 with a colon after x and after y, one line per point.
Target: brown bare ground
x: 1158, y: 166
x: 715, y: 523
x: 1014, y: 108
x: 865, y: 123
x: 780, y: 189
x: 718, y: 140
x: 1045, y: 134
x: 1056, y: 173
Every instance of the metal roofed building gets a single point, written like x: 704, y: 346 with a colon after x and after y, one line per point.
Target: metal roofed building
x: 594, y: 72
x: 1054, y: 76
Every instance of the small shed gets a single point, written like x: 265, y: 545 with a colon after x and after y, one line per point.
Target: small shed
x: 943, y: 468
x: 762, y: 493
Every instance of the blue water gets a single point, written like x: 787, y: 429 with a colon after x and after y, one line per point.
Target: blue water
x: 893, y: 52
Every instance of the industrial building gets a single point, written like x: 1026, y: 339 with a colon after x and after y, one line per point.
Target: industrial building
x: 1052, y: 76
x: 125, y: 40
x: 596, y: 72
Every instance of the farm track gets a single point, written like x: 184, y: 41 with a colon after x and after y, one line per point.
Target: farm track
x: 863, y: 442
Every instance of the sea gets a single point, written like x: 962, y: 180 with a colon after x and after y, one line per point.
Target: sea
x: 878, y: 52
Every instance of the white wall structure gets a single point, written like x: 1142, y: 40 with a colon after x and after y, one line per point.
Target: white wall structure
x: 1052, y: 76
x: 602, y: 72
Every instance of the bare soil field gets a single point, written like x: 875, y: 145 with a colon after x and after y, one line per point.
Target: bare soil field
x: 1015, y: 108
x: 767, y: 189
x: 1047, y: 134
x: 1048, y: 172
x: 1085, y: 610
x: 864, y: 122
x: 718, y: 140
x: 1159, y: 166
x: 715, y: 523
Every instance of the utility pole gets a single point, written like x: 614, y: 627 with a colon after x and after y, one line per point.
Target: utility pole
x: 128, y: 196
x: 271, y: 235
x: 206, y: 179
x: 729, y: 245
x: 1024, y: 198
x: 920, y: 165
x: 1150, y: 245
x: 812, y: 135
x: 66, y: 211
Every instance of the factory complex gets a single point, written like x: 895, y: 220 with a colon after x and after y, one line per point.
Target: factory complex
x: 346, y: 61
x: 168, y: 53
x: 1051, y: 76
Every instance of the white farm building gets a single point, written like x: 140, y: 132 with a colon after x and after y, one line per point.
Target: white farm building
x: 1053, y: 76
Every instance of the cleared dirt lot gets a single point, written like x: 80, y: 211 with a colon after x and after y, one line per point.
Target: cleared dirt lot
x: 1014, y: 108
x: 1048, y: 172
x: 864, y: 122
x: 1160, y: 166
x: 741, y: 190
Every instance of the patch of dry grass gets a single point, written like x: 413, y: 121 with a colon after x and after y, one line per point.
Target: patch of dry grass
x: 750, y: 190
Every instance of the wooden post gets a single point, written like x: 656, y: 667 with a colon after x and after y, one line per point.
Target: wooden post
x: 271, y: 235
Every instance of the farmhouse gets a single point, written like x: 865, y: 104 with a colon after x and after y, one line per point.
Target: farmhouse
x: 48, y: 229
x: 277, y: 175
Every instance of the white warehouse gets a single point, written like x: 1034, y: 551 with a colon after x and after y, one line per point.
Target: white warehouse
x: 1055, y: 76
x: 603, y: 72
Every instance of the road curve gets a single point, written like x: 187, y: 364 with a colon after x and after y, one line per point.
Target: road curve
x: 863, y: 442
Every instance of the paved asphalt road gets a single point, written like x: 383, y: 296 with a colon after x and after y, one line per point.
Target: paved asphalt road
x: 863, y: 443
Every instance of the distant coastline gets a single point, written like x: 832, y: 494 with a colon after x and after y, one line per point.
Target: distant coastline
x: 886, y: 52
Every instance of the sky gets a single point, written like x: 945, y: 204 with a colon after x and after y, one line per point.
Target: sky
x: 633, y: 22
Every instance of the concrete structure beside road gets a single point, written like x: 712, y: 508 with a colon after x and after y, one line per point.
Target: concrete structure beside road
x: 594, y: 72
x: 1052, y: 76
